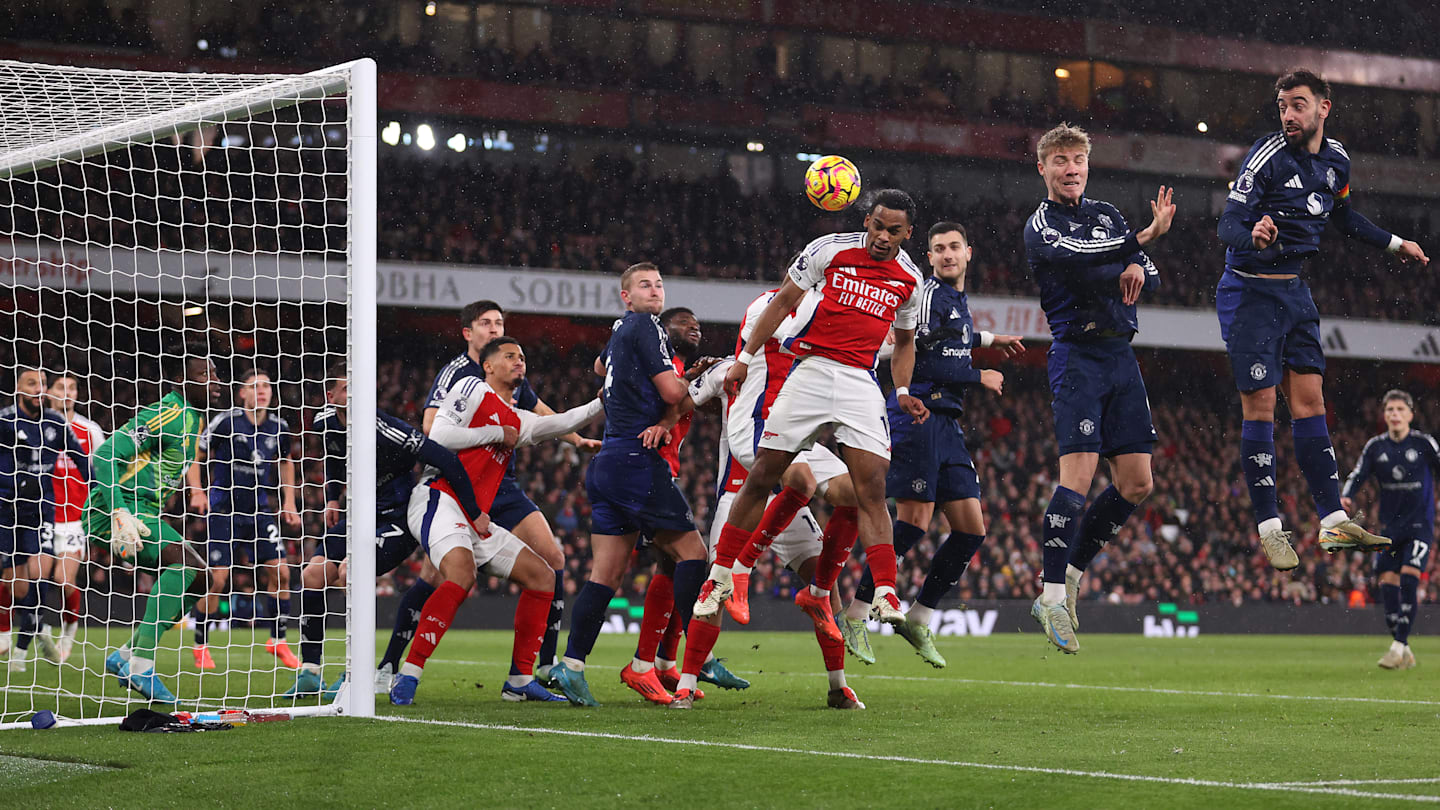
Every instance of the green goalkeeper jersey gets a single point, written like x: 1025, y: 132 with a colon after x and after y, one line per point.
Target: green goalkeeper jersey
x: 144, y: 462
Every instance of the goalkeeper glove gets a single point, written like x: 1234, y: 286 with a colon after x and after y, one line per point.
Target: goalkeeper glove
x: 125, y: 533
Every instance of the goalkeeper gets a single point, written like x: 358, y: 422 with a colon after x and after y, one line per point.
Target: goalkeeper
x: 136, y: 471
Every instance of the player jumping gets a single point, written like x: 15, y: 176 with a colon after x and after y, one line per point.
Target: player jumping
x: 866, y: 285
x: 1290, y: 184
x: 1404, y: 463
x: 136, y: 471
x: 930, y: 463
x: 1091, y: 271
x: 477, y: 421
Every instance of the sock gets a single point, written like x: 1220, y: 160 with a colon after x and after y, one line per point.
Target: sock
x: 552, y: 621
x: 670, y: 641
x: 27, y: 617
x: 1317, y: 461
x: 1257, y: 459
x: 689, y: 576
x: 5, y: 602
x: 407, y: 616
x: 202, y: 627
x: 1390, y: 598
x: 45, y: 587
x: 268, y: 607
x: 586, y: 618
x: 530, y: 619
x: 659, y: 607
x: 1062, y: 521
x: 1102, y: 521
x: 832, y: 651
x: 312, y: 625
x: 282, y: 618
x: 776, y: 519
x: 920, y: 614
x: 165, y: 604
x: 71, y: 614
x: 906, y: 536
x: 839, y: 538
x: 732, y: 541
x: 1409, y: 592
x: 949, y: 564
x: 699, y: 641
x: 435, y: 619
x: 880, y: 560
x: 139, y: 664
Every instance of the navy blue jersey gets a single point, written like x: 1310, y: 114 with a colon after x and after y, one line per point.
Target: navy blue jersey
x: 29, y: 447
x: 1299, y: 192
x: 637, y: 351
x: 1405, y: 472
x: 399, y: 446
x: 244, y: 460
x: 462, y: 367
x: 1077, y: 254
x: 944, y: 339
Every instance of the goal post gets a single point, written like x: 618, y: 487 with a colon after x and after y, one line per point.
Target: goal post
x: 147, y: 218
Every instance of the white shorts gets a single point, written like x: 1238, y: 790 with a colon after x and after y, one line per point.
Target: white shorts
x: 799, y: 542
x: 449, y: 529
x: 820, y: 392
x: 65, y: 538
x: 823, y: 463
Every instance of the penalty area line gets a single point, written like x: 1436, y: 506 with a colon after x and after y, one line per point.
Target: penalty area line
x: 988, y: 766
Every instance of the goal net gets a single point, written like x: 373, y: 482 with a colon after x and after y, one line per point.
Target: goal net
x: 149, y: 222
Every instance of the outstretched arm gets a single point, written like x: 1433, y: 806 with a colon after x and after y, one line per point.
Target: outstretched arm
x: 535, y: 429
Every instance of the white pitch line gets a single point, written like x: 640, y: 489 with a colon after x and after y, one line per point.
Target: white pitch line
x: 1151, y: 690
x: 989, y: 766
x: 1424, y: 780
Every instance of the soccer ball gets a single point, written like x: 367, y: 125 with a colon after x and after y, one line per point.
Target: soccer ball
x: 832, y: 182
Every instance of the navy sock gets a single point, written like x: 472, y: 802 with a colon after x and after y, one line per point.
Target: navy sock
x: 264, y: 605
x: 689, y: 576
x: 906, y: 536
x: 312, y: 624
x: 407, y: 618
x: 552, y: 624
x: 46, y: 586
x: 589, y: 614
x: 948, y: 566
x: 1061, y: 522
x: 202, y: 626
x: 282, y: 618
x: 1390, y: 597
x: 27, y: 617
x: 1102, y: 521
x: 1257, y: 459
x: 1409, y: 591
x: 1317, y: 461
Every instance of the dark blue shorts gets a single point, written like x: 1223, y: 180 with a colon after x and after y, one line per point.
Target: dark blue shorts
x: 929, y: 462
x: 393, y: 541
x: 1098, y: 398
x: 632, y: 491
x: 1411, y: 551
x: 19, y: 535
x: 255, y: 536
x: 510, y: 505
x: 1268, y: 325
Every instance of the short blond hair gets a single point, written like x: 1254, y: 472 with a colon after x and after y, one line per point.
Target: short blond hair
x: 1061, y: 137
x: 630, y: 271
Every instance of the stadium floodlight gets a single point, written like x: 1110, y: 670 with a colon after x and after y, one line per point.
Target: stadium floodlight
x: 127, y: 197
x: 425, y: 137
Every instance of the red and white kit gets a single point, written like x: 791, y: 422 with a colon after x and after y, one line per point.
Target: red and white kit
x: 801, y: 538
x: 71, y: 489
x: 837, y: 336
x: 435, y: 515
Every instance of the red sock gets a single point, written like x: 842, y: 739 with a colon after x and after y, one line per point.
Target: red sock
x: 699, y: 641
x: 881, y: 559
x: 670, y: 644
x: 532, y: 614
x: 832, y: 651
x: 776, y: 519
x: 4, y: 608
x: 659, y: 608
x: 732, y: 542
x: 72, y: 605
x: 839, y: 538
x: 435, y: 618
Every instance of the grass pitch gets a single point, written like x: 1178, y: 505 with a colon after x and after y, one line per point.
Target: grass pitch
x: 1212, y: 721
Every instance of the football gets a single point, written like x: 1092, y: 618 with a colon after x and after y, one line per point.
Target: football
x: 832, y: 183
